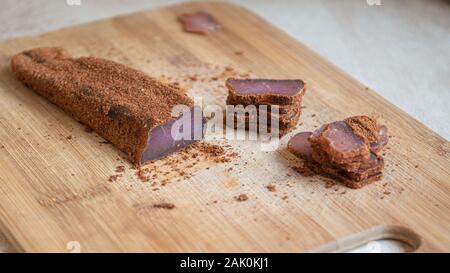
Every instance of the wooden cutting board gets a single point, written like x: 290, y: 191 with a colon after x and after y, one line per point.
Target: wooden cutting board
x: 54, y: 188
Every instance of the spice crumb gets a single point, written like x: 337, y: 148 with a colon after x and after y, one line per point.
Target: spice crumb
x: 142, y: 176
x: 114, y: 178
x: 330, y: 184
x: 164, y: 205
x: 271, y: 188
x: 241, y: 197
x: 120, y: 169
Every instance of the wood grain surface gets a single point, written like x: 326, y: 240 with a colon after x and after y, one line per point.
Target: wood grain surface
x: 55, y: 193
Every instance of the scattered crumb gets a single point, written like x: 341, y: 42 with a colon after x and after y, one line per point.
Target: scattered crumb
x: 180, y: 166
x: 241, y: 197
x: 69, y: 137
x: 164, y: 205
x: 330, y: 184
x: 271, y: 188
x: 417, y: 166
x: 114, y: 178
x: 120, y: 169
x: 239, y: 52
x: 142, y: 176
x: 214, y: 152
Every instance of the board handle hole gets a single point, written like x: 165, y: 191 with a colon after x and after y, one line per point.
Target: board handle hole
x: 380, y: 239
x: 383, y: 246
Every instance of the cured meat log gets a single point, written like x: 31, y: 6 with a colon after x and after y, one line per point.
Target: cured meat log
x: 128, y: 108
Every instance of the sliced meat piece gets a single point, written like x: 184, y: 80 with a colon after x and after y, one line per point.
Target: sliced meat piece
x: 256, y: 91
x: 199, y: 22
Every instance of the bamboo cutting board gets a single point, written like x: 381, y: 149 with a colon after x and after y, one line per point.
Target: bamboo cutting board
x: 54, y: 188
